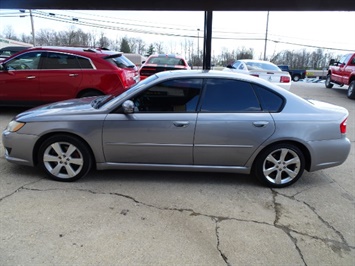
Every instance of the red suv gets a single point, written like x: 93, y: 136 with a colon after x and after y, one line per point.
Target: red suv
x: 48, y: 74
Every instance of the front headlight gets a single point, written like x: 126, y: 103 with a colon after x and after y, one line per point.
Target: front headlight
x: 14, y: 126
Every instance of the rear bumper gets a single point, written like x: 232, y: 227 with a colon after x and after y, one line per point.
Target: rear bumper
x: 329, y: 153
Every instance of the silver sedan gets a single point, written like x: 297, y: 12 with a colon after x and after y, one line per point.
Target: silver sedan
x: 184, y: 121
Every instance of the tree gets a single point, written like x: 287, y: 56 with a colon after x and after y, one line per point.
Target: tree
x: 9, y: 33
x: 125, y: 46
x: 151, y: 50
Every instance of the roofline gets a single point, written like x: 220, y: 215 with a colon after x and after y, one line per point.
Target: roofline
x: 183, y: 5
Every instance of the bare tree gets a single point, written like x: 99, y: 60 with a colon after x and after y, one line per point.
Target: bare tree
x: 9, y: 33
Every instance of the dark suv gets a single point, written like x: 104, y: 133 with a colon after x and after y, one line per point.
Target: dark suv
x: 48, y: 74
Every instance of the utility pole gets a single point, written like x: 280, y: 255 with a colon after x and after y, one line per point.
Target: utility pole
x: 267, y: 28
x: 198, y: 45
x: 33, y: 29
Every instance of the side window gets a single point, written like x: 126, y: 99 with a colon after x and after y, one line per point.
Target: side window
x: 85, y: 63
x: 352, y: 61
x: 223, y: 96
x: 25, y: 61
x: 60, y: 61
x: 177, y: 95
x: 270, y: 101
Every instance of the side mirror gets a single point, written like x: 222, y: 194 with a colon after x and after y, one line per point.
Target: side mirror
x: 2, y: 67
x: 128, y: 107
x: 230, y: 66
x: 332, y: 61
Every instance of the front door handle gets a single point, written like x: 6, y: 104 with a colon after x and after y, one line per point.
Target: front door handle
x: 73, y: 75
x: 181, y: 123
x: 31, y: 77
x: 260, y: 123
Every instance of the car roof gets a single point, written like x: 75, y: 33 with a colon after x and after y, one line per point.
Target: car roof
x: 85, y: 51
x: 255, y: 61
x: 167, y: 55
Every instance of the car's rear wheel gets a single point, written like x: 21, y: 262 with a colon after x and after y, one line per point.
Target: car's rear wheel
x: 65, y: 158
x: 351, y: 90
x: 279, y: 165
x: 296, y: 78
x: 328, y: 83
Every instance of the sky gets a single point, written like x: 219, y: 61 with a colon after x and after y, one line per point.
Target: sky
x: 331, y: 31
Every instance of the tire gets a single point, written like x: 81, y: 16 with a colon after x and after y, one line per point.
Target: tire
x: 328, y: 83
x: 64, y: 158
x: 351, y: 90
x: 279, y: 166
x: 296, y: 78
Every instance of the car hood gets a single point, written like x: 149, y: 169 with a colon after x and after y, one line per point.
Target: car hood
x: 62, y: 108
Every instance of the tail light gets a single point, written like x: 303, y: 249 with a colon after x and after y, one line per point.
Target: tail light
x: 124, y: 79
x: 343, y: 126
x: 285, y: 79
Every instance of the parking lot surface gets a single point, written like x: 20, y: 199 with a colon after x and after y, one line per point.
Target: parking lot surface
x: 177, y: 218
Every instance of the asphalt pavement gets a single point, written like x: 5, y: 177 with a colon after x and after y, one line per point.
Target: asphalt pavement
x: 176, y: 218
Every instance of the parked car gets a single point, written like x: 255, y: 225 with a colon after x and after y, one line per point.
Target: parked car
x: 296, y: 74
x: 342, y: 73
x: 162, y: 62
x: 7, y: 51
x: 47, y: 74
x: 184, y: 121
x: 262, y: 69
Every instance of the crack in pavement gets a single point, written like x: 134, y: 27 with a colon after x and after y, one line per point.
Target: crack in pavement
x: 344, y: 244
x: 218, y: 219
x: 20, y: 188
x: 285, y: 229
x: 224, y: 257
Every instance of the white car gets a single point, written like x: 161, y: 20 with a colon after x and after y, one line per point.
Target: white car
x: 262, y: 69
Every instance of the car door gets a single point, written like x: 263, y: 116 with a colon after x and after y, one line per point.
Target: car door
x: 61, y: 76
x: 161, y: 129
x: 348, y: 69
x: 338, y: 71
x: 19, y: 80
x: 231, y: 124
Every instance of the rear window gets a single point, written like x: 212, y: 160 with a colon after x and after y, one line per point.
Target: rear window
x: 262, y: 66
x: 172, y: 61
x: 120, y: 61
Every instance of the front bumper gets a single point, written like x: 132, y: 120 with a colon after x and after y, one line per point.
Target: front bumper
x: 19, y: 147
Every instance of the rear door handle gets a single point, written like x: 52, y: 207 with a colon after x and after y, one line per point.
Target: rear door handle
x: 73, y: 75
x: 31, y: 77
x: 181, y: 123
x: 260, y: 123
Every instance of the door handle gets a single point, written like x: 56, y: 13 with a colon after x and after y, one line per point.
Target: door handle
x: 31, y: 77
x: 260, y: 123
x: 181, y: 123
x: 73, y: 75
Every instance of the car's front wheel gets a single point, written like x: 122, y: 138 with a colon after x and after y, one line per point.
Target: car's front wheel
x: 328, y: 83
x: 64, y: 158
x: 351, y: 90
x: 279, y: 165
